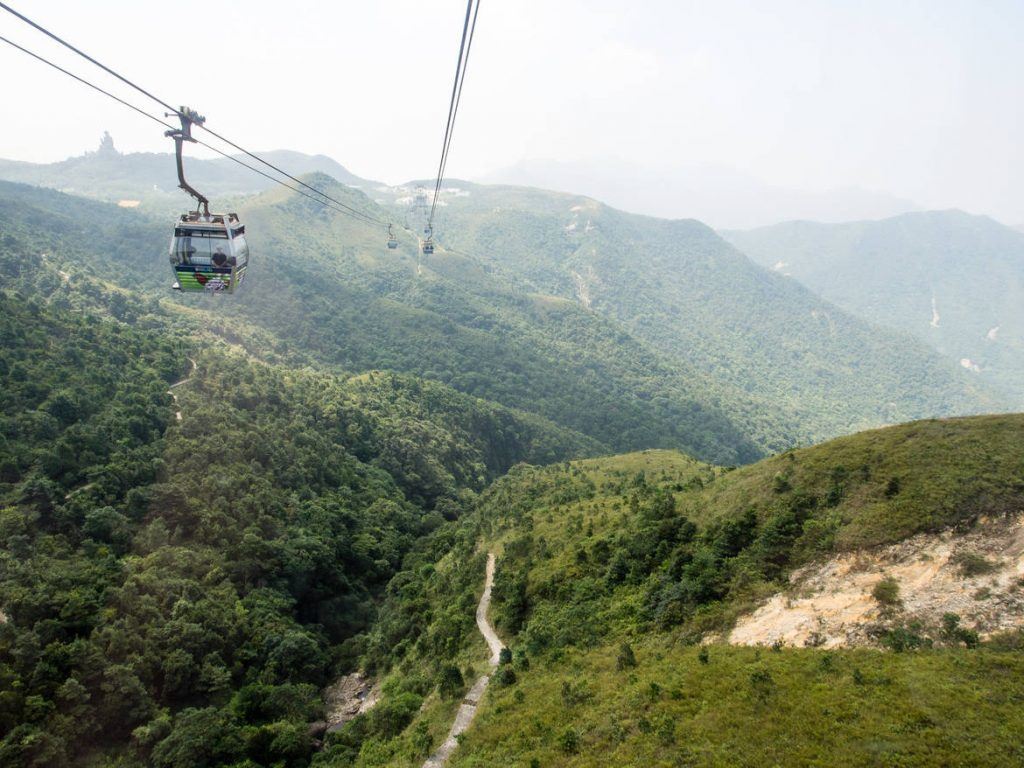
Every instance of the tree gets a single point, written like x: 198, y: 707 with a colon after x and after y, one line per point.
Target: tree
x: 451, y: 683
x: 626, y: 658
x: 200, y: 738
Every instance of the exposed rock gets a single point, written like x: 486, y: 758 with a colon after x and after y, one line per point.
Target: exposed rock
x: 830, y: 604
x: 348, y: 697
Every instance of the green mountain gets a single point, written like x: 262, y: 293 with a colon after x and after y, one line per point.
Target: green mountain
x: 610, y: 571
x: 954, y: 281
x: 182, y: 574
x: 682, y: 289
x: 332, y: 294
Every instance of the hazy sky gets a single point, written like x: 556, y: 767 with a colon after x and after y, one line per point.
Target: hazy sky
x: 919, y: 99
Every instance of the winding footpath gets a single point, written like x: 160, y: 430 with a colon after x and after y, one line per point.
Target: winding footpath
x: 472, y: 700
x: 170, y: 389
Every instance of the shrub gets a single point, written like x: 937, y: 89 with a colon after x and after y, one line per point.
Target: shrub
x: 901, y: 639
x: 954, y: 634
x: 575, y: 693
x: 626, y: 658
x: 973, y: 564
x: 505, y: 657
x: 887, y: 592
x: 667, y: 731
x: 570, y: 741
x: 507, y: 675
x: 761, y: 684
x: 703, y: 656
x: 421, y: 741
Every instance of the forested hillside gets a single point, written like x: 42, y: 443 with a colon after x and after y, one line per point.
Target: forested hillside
x: 561, y: 323
x: 331, y: 294
x: 953, y: 280
x: 176, y: 591
x: 680, y: 288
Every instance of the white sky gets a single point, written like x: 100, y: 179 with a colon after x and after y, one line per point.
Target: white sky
x: 919, y: 99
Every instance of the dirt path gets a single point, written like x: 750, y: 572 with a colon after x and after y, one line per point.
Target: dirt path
x: 170, y: 389
x: 469, y: 704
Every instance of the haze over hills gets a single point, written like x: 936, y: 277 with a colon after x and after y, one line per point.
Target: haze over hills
x: 953, y: 280
x: 150, y: 177
x: 719, y: 196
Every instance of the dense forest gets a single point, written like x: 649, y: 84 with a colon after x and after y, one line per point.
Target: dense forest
x: 175, y: 592
x: 655, y: 357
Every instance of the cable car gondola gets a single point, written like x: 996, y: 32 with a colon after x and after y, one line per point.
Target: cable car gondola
x: 427, y: 246
x: 208, y: 252
x: 392, y: 240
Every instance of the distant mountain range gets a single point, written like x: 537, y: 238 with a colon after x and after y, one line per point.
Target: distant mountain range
x: 150, y: 177
x: 721, y: 197
x: 953, y: 280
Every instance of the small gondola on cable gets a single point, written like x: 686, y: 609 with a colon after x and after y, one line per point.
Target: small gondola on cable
x: 208, y: 250
x: 392, y: 240
x: 427, y: 246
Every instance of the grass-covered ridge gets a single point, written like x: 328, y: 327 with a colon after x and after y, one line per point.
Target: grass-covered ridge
x: 886, y: 484
x: 672, y: 542
x: 653, y: 551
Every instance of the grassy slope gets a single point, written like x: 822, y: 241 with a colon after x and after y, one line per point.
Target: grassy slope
x: 950, y: 707
x: 745, y: 707
x: 948, y: 471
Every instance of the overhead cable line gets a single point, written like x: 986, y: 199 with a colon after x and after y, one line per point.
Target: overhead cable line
x: 177, y: 110
x: 458, y: 97
x: 155, y: 119
x: 472, y: 8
